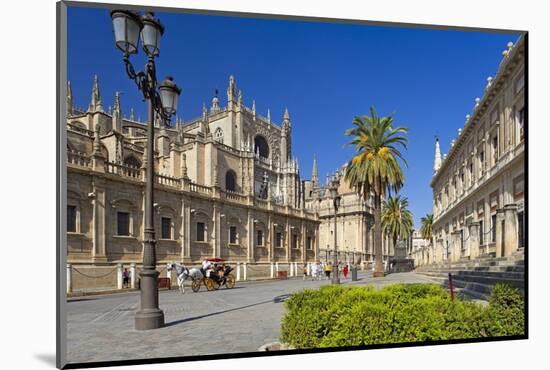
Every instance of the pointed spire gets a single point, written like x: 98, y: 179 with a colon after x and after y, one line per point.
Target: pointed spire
x: 254, y: 110
x: 240, y: 99
x: 286, y: 120
x: 231, y: 90
x: 204, y: 112
x: 314, y: 172
x: 437, y: 161
x: 69, y: 98
x: 117, y: 102
x: 95, y: 104
x: 116, y: 115
x: 132, y: 117
x: 268, y: 116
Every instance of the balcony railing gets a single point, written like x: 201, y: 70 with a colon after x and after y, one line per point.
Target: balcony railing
x: 167, y: 180
x: 200, y: 189
x: 123, y: 170
x: 78, y: 158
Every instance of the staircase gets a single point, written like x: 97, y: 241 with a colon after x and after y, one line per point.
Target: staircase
x: 475, y: 279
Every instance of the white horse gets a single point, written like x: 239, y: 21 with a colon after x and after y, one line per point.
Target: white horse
x: 183, y: 273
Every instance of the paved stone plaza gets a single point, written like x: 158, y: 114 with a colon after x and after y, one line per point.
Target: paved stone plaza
x: 101, y: 328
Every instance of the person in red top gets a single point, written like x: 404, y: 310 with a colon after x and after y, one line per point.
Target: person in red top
x: 345, y: 271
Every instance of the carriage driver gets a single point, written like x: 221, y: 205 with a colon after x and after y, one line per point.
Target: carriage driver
x: 206, y: 265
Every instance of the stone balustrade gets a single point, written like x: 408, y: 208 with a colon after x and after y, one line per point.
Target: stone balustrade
x: 167, y: 180
x: 78, y: 158
x: 200, y: 189
x: 123, y: 170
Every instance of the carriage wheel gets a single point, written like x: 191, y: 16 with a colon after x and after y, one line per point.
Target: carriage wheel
x: 209, y: 284
x: 215, y: 284
x: 196, y: 285
x: 230, y: 282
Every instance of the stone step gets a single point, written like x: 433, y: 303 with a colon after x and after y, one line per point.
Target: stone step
x: 490, y: 280
x: 473, y: 289
x: 495, y: 274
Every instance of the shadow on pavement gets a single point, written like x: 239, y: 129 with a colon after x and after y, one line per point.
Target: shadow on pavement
x: 277, y: 299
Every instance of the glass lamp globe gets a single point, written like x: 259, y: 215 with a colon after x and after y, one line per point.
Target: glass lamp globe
x: 126, y: 27
x: 150, y: 34
x: 169, y: 93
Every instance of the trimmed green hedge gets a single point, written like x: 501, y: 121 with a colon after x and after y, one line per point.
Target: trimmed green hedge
x: 349, y: 316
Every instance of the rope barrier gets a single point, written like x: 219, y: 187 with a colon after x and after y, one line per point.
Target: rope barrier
x: 95, y: 277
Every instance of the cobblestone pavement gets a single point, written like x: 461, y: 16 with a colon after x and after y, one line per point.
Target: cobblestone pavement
x: 101, y: 328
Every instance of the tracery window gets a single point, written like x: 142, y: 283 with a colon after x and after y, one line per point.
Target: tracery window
x: 218, y: 135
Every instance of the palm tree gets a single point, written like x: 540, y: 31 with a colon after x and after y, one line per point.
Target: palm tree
x: 397, y: 220
x: 375, y: 168
x: 426, y: 230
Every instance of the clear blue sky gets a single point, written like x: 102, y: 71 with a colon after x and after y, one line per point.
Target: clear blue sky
x: 324, y: 73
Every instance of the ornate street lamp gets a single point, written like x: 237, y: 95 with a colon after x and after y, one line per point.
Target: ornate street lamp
x: 127, y: 27
x: 335, y: 183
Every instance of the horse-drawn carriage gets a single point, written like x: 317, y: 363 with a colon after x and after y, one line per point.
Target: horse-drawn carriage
x: 217, y: 273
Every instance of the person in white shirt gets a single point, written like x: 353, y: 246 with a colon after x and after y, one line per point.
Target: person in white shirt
x: 313, y: 271
x: 206, y: 265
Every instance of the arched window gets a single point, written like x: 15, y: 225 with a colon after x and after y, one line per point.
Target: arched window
x: 218, y: 135
x: 230, y: 181
x: 132, y: 161
x: 261, y: 146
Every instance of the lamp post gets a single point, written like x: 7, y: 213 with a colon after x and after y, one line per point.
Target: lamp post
x: 162, y: 101
x: 336, y: 202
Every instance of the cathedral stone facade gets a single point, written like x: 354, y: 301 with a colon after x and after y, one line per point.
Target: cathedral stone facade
x: 478, y: 187
x: 226, y: 186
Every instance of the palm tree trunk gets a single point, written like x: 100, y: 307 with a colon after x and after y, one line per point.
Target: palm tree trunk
x: 378, y: 265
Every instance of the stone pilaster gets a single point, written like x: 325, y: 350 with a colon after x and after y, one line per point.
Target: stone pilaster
x: 499, y: 242
x: 99, y: 253
x: 510, y: 229
x: 473, y: 241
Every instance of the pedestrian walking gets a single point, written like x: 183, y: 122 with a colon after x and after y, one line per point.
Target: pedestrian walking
x: 125, y: 279
x: 305, y: 271
x: 313, y: 271
x: 319, y: 274
x: 345, y: 271
x: 328, y: 269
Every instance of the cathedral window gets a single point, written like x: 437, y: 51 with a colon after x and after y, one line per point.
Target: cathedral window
x: 132, y: 161
x: 218, y: 135
x: 261, y: 147
x: 230, y: 181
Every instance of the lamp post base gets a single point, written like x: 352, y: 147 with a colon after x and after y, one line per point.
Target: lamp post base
x: 335, y: 280
x: 149, y: 319
x: 150, y: 316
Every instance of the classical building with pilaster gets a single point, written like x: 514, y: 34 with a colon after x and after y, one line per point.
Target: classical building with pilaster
x: 226, y: 186
x: 354, y: 221
x: 478, y: 187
